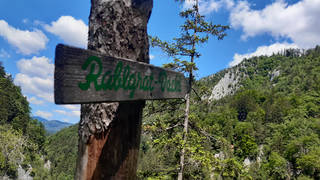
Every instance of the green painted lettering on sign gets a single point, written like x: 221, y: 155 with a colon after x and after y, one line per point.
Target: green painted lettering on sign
x: 122, y: 78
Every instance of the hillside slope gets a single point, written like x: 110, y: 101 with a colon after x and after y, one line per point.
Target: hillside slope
x: 266, y: 127
x: 62, y: 152
x: 22, y: 139
x: 227, y: 81
x: 257, y: 120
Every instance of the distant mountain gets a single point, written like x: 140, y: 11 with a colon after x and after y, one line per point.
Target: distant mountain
x: 52, y: 126
x: 260, y: 120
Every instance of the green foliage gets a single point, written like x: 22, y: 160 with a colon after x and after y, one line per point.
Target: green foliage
x: 12, y: 151
x: 21, y: 138
x: 273, y: 120
x: 62, y: 149
x: 184, y: 50
x: 277, y: 166
x: 231, y: 169
x: 195, y: 31
x: 244, y: 102
x: 310, y: 163
x: 39, y: 171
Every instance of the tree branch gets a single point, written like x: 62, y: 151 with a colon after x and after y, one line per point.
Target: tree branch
x: 196, y: 93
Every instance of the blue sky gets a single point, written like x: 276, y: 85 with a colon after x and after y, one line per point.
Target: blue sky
x: 30, y: 30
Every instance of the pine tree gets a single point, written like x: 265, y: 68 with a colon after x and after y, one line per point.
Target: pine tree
x: 184, y: 50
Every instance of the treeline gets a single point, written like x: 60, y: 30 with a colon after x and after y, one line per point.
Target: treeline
x: 62, y: 151
x: 268, y: 129
x: 22, y: 139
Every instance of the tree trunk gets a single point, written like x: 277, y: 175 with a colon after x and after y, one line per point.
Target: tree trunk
x: 109, y: 133
x: 188, y: 96
x: 185, y: 136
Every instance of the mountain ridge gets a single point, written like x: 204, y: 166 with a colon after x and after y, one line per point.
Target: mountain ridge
x: 52, y: 126
x: 228, y: 81
x: 266, y: 127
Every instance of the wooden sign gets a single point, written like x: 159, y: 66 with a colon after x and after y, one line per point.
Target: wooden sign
x: 84, y: 76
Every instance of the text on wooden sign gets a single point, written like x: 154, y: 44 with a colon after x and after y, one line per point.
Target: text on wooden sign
x: 123, y: 78
x: 85, y: 76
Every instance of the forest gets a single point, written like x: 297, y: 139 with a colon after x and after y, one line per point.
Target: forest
x: 257, y: 120
x: 268, y: 127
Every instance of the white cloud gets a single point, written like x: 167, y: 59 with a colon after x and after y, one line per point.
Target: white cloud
x: 27, y: 42
x: 43, y: 114
x: 38, y: 23
x: 209, y: 6
x: 61, y: 112
x: 25, y: 21
x: 40, y: 87
x: 262, y: 50
x: 151, y: 56
x: 68, y: 113
x: 36, y: 77
x: 4, y: 54
x: 66, y: 120
x: 37, y: 66
x: 34, y: 100
x: 228, y: 3
x: 299, y: 21
x: 205, y: 6
x: 70, y: 30
x: 76, y: 113
x: 71, y: 107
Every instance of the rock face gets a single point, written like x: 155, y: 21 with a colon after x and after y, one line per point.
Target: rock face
x: 24, y: 175
x: 274, y: 74
x: 227, y: 85
x: 246, y: 163
x: 109, y: 133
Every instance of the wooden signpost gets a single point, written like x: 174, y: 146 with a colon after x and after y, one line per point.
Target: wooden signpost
x: 84, y: 76
x: 111, y: 88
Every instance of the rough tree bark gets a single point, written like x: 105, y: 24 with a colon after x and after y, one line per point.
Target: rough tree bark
x: 109, y: 133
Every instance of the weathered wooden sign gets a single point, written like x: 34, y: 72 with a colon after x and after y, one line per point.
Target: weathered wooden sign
x: 84, y: 76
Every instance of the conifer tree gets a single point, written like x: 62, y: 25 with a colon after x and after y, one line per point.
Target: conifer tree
x: 184, y: 51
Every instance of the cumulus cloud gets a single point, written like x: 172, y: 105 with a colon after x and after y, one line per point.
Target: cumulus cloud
x: 38, y: 23
x: 262, y: 50
x: 72, y: 110
x: 34, y: 100
x: 27, y: 42
x: 37, y: 66
x: 61, y: 112
x: 68, y: 113
x: 25, y: 21
x: 209, y: 6
x: 36, y: 77
x: 35, y: 86
x: 228, y: 4
x: 70, y: 30
x: 71, y: 107
x: 76, y: 113
x: 4, y: 54
x: 43, y: 114
x: 299, y: 21
x: 205, y: 6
